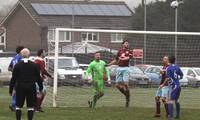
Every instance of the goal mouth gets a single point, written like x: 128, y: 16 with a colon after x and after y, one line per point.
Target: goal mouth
x: 148, y: 48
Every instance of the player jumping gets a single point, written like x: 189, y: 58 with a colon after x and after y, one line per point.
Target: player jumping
x: 98, y: 70
x: 162, y: 92
x: 122, y: 76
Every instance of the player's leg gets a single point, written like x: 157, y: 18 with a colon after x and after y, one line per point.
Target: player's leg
x: 41, y: 99
x: 12, y: 106
x: 30, y: 101
x: 20, y: 98
x: 171, y: 102
x: 177, y: 103
x: 157, y: 100
x: 119, y: 80
x: 126, y: 85
x: 99, y: 92
x: 164, y: 98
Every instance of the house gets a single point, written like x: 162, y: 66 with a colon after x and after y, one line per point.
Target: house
x: 32, y: 23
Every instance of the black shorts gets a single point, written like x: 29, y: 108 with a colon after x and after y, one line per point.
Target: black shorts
x: 25, y: 92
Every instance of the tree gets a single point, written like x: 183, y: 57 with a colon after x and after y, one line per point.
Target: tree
x: 160, y: 16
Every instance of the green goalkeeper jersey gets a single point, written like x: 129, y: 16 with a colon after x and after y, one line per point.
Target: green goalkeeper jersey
x: 97, y: 69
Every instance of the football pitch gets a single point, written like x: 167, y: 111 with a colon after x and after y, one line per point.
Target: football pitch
x: 72, y: 102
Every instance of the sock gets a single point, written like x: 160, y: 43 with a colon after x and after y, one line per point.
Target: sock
x: 170, y: 108
x: 14, y: 101
x: 18, y: 114
x: 94, y: 101
x: 122, y: 90
x: 127, y: 95
x: 40, y: 101
x: 30, y: 114
x: 166, y: 109
x: 157, y: 107
x: 166, y: 106
x: 177, y: 109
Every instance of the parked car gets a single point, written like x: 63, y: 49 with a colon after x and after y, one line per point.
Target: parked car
x: 152, y: 71
x: 136, y: 76
x: 191, y: 76
x: 68, y: 71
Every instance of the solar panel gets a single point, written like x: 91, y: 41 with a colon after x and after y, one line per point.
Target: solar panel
x: 81, y: 9
x: 58, y: 9
x: 124, y: 10
x: 114, y: 11
x: 40, y: 10
x: 106, y: 10
x: 78, y: 10
x: 87, y: 9
x: 48, y: 9
x: 67, y: 9
x: 97, y: 10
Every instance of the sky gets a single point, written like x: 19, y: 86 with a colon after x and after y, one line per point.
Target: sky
x: 131, y: 3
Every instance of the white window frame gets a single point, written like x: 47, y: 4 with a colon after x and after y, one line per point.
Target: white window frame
x: 116, y: 37
x: 54, y: 31
x: 87, y: 34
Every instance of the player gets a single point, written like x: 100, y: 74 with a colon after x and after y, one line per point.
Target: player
x: 97, y: 69
x: 24, y: 76
x: 122, y: 76
x: 162, y: 92
x: 39, y: 60
x: 174, y: 73
x: 13, y: 62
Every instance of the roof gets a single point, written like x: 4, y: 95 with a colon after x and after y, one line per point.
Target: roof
x: 1, y: 18
x: 57, y: 12
x: 94, y: 9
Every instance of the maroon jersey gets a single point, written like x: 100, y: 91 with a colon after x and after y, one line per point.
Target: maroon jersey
x: 124, y: 53
x: 41, y: 63
x: 163, y: 75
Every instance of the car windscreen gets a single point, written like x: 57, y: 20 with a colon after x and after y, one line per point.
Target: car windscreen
x: 197, y: 71
x: 184, y: 71
x: 64, y: 63
x: 135, y: 70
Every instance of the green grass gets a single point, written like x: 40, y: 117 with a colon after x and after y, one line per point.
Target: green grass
x: 72, y: 104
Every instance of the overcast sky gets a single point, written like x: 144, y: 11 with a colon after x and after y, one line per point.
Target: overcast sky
x: 131, y: 3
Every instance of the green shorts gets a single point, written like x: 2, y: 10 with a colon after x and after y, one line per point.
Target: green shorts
x: 98, y: 86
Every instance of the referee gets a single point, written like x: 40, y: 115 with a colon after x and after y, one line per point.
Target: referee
x: 24, y: 77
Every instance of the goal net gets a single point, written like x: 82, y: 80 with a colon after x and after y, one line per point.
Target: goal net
x: 71, y: 51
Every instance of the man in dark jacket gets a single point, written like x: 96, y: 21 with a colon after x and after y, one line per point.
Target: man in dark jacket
x: 25, y: 75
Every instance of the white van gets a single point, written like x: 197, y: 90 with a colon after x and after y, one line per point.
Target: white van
x: 69, y: 72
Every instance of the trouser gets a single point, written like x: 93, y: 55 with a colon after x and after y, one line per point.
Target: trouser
x: 25, y: 92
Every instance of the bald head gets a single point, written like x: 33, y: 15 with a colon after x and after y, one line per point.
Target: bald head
x: 25, y: 53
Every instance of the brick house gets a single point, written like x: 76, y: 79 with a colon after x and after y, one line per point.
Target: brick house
x: 32, y: 23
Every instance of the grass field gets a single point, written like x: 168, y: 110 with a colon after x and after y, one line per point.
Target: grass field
x: 72, y: 104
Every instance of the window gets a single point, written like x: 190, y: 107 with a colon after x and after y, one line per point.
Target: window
x: 51, y: 35
x: 64, y: 36
x: 90, y: 36
x: 117, y: 37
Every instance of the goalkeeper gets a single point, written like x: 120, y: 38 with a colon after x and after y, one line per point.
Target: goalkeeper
x: 99, y: 73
